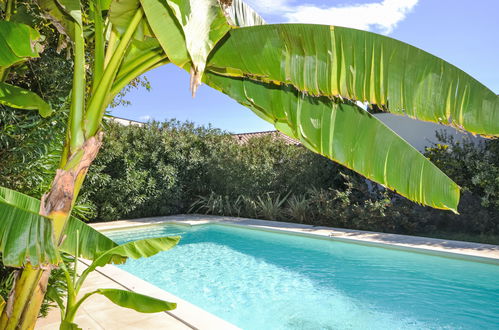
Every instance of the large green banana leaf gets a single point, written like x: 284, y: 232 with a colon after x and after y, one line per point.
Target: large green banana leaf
x: 91, y: 242
x: 136, y: 301
x: 358, y: 65
x: 143, y: 248
x: 165, y: 27
x: 346, y: 134
x: 121, y: 14
x: 17, y: 43
x: 189, y: 30
x: 240, y: 14
x: 73, y: 9
x: 25, y: 237
x: 203, y: 24
x: 21, y: 98
x: 368, y: 146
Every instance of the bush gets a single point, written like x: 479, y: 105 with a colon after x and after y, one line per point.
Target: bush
x: 162, y: 168
x: 170, y: 168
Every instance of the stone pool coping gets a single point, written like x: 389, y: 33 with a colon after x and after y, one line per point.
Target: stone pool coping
x: 487, y: 253
x: 191, y: 316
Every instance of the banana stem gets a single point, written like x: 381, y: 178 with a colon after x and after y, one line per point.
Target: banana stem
x: 97, y: 104
x: 77, y: 92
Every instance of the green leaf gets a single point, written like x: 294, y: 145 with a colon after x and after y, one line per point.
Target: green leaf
x: 362, y: 66
x: 25, y: 237
x: 17, y: 43
x: 121, y: 14
x: 19, y: 200
x: 240, y: 14
x: 73, y: 9
x: 17, y: 97
x: 65, y: 325
x: 63, y: 22
x: 137, y: 249
x: 91, y: 242
x: 346, y: 134
x: 167, y: 31
x: 203, y: 24
x: 136, y: 301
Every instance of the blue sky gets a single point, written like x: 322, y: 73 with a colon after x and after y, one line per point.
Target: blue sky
x: 464, y: 33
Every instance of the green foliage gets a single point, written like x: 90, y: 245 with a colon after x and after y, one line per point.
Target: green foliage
x: 298, y: 208
x: 29, y: 150
x: 352, y: 202
x: 472, y: 165
x: 170, y: 168
x: 136, y: 249
x: 136, y: 301
x: 162, y: 168
x: 269, y: 207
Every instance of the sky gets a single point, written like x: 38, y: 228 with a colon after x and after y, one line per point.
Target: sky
x: 462, y: 32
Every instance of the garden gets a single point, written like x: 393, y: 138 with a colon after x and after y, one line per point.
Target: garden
x: 66, y: 163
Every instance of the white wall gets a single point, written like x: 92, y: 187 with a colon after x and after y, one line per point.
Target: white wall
x: 418, y: 133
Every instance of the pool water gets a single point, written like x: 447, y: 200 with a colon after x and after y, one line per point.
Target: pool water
x: 263, y: 280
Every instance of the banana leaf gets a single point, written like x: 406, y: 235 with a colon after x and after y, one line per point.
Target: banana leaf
x: 203, y: 24
x: 143, y: 248
x: 346, y: 134
x: 73, y: 9
x: 332, y: 61
x: 165, y: 27
x: 17, y: 43
x: 63, y: 22
x: 25, y: 237
x: 91, y: 242
x: 20, y: 98
x: 241, y: 15
x: 121, y: 14
x: 136, y: 301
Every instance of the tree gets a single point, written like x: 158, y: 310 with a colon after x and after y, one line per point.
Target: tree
x: 305, y: 79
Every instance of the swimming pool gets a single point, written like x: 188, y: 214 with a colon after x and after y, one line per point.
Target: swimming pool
x: 263, y: 280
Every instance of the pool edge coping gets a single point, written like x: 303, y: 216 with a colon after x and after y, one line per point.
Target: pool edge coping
x: 477, y: 252
x: 187, y: 313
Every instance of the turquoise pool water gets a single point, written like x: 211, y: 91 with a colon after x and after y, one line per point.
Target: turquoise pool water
x: 261, y: 280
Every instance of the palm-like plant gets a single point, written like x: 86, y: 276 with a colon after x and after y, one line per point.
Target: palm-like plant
x: 305, y: 79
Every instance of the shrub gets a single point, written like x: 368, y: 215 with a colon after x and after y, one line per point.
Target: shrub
x: 162, y: 168
x: 169, y: 168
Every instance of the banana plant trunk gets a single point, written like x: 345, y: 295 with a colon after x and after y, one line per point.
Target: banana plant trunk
x: 26, y: 297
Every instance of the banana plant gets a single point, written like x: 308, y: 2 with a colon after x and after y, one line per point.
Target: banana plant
x: 81, y: 241
x: 307, y: 80
x: 124, y: 298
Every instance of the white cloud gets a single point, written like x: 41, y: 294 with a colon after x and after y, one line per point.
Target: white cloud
x: 145, y: 118
x: 382, y: 15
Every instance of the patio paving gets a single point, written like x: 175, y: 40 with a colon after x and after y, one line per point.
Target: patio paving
x: 99, y: 313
